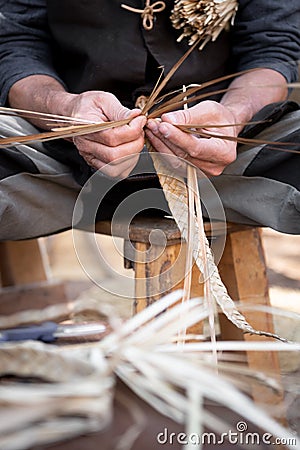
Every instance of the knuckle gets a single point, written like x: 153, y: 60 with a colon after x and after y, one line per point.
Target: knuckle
x: 77, y: 142
x: 227, y: 161
x: 111, y: 140
x: 112, y: 159
x: 211, y: 105
x: 188, y: 116
x: 107, y: 94
x: 140, y: 143
x: 82, y: 152
x: 82, y: 145
x: 193, y: 152
x: 114, y: 171
x: 229, y: 158
x: 216, y: 171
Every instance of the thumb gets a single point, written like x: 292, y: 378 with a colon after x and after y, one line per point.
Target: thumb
x: 181, y: 117
x: 113, y: 108
x: 132, y: 113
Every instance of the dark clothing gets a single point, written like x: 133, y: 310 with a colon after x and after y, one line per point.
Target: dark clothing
x: 86, y: 55
x: 98, y: 45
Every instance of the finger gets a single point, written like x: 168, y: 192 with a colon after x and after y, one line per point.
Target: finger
x: 113, y: 137
x: 206, y: 111
x: 112, y: 107
x: 172, y: 160
x: 114, y: 110
x: 212, y: 149
x: 124, y: 134
x: 107, y: 154
x: 209, y: 168
x: 121, y: 169
x: 179, y: 159
x: 161, y: 141
x: 156, y: 141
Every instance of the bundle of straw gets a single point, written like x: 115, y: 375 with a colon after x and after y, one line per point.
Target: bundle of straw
x: 202, y: 19
x: 75, y: 386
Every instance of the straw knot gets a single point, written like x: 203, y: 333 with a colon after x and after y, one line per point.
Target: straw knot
x: 148, y: 12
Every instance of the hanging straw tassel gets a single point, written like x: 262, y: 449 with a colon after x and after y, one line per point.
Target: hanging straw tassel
x: 202, y: 19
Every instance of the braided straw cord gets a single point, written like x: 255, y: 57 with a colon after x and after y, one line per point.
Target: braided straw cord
x: 175, y: 191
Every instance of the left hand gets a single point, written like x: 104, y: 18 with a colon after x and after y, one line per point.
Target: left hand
x: 211, y: 155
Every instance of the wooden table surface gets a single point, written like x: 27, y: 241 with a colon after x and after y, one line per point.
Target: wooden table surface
x: 155, y: 423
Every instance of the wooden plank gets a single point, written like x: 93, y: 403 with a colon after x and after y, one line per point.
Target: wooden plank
x: 22, y: 262
x: 140, y: 228
x: 24, y: 278
x: 31, y: 296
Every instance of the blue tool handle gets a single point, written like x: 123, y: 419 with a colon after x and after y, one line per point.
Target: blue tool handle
x: 44, y: 332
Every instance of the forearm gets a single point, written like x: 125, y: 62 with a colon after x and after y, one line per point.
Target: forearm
x: 252, y: 91
x: 40, y: 93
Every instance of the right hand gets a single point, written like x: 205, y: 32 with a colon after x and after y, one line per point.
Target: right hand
x: 108, y: 146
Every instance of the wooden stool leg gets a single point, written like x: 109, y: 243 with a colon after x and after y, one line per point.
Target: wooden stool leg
x: 162, y: 271
x: 156, y: 272
x: 243, y: 271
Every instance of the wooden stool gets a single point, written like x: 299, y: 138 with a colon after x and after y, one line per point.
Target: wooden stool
x: 242, y: 268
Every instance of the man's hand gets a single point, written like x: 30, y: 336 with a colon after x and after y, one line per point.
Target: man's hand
x: 246, y: 95
x: 211, y: 155
x: 107, y: 147
x: 45, y: 94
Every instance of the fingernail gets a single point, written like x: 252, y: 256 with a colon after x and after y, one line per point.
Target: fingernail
x: 171, y: 117
x: 152, y: 125
x: 164, y: 130
x: 127, y: 113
